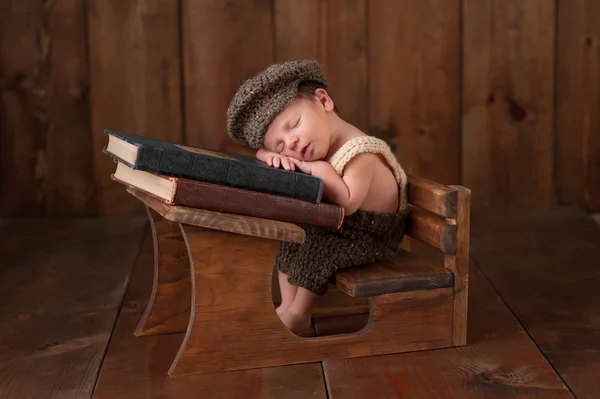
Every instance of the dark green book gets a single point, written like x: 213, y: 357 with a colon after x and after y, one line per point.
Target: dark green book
x: 235, y: 170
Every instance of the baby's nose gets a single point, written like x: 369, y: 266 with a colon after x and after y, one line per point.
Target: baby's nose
x: 292, y: 143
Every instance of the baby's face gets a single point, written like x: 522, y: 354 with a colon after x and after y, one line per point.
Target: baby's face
x: 301, y: 130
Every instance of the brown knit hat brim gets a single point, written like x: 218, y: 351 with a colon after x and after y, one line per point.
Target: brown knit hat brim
x: 261, y: 98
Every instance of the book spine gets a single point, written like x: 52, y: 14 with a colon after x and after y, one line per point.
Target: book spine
x: 224, y: 172
x: 195, y: 194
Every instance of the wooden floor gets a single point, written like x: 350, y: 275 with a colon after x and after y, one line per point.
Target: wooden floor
x: 71, y: 294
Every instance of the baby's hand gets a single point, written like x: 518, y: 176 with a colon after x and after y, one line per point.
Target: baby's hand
x: 274, y: 159
x: 303, y: 166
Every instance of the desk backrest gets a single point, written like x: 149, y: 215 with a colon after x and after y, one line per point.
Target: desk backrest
x: 441, y: 217
x: 437, y: 214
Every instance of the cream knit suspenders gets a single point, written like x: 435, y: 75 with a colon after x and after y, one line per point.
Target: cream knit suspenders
x: 362, y: 144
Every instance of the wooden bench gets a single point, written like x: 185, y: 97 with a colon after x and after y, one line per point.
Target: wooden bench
x: 213, y: 276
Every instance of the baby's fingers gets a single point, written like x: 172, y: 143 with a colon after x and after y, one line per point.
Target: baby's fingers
x: 302, y: 165
x: 287, y: 164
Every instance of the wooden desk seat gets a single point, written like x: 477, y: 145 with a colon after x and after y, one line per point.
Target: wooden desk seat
x: 213, y: 275
x: 407, y: 272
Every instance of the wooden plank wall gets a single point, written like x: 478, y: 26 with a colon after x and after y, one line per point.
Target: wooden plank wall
x: 503, y: 97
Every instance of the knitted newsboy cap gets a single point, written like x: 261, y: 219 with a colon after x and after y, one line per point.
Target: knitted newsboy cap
x: 261, y: 98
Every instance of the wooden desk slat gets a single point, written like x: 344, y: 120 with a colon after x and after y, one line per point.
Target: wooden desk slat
x: 433, y: 230
x: 239, y: 224
x: 406, y: 272
x: 433, y: 197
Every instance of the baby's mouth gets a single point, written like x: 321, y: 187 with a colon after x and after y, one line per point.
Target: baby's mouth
x: 304, y: 150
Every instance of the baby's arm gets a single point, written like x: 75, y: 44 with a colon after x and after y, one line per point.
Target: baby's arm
x: 348, y: 191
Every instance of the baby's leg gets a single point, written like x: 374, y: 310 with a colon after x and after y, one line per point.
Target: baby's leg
x: 297, y: 315
x: 288, y: 292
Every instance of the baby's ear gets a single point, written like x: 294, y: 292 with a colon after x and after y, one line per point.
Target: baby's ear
x: 324, y: 99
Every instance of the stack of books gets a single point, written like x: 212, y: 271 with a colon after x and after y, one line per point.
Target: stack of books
x: 194, y: 177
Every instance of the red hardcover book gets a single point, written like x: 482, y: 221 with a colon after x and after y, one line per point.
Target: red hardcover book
x: 214, y: 197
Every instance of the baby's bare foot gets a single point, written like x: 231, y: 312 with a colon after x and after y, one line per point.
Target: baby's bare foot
x: 297, y: 323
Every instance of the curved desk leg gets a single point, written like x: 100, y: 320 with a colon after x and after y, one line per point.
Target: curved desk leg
x: 233, y: 315
x: 168, y: 309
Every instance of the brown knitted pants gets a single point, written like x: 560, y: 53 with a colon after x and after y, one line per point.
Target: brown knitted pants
x: 364, y: 237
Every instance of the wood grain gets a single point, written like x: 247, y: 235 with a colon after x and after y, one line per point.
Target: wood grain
x: 346, y: 61
x: 333, y: 32
x: 592, y: 116
x: 578, y: 101
x: 406, y: 272
x: 500, y: 361
x: 61, y: 285
x: 438, y: 232
x: 45, y: 142
x: 399, y: 322
x: 135, y: 71
x: 432, y: 196
x: 136, y: 368
x: 224, y: 43
x: 168, y: 308
x: 507, y: 110
x: 337, y: 302
x: 337, y: 324
x: 414, y: 83
x: 239, y: 224
x: 545, y: 267
x: 334, y: 302
x: 299, y: 29
x: 458, y: 264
